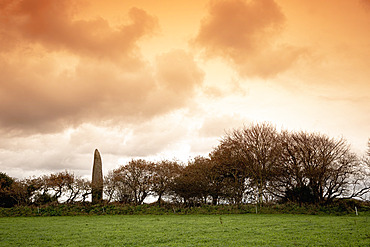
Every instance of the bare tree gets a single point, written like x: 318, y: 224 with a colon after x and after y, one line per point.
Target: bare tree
x: 361, y: 178
x: 164, y: 174
x: 116, y: 188
x: 188, y: 185
x: 58, y: 183
x: 66, y: 185
x: 77, y: 189
x: 84, y: 189
x: 135, y: 179
x: 232, y: 172
x: 110, y: 186
x: 214, y: 178
x: 318, y: 164
x: 256, y: 149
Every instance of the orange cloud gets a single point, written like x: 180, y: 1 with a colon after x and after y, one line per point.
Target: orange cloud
x: 53, y: 25
x: 244, y: 34
x: 35, y: 96
x: 217, y: 126
x: 57, y: 71
x: 176, y: 69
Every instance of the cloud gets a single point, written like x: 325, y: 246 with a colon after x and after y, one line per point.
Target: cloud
x: 176, y: 69
x: 177, y: 78
x: 365, y: 4
x: 72, y: 149
x: 244, y: 33
x: 217, y: 126
x: 58, y: 71
x: 38, y: 96
x: 41, y: 153
x: 54, y: 25
x: 152, y: 137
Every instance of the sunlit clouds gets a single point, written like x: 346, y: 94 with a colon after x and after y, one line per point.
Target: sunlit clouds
x: 52, y: 25
x: 167, y: 79
x: 41, y: 95
x: 244, y: 34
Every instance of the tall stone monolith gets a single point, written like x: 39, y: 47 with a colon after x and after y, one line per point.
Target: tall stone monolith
x: 97, y: 178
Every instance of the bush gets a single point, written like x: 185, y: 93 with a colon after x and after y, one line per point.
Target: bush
x: 6, y: 199
x: 339, y: 207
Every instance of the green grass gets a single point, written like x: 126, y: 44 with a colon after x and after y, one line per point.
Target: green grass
x: 186, y: 230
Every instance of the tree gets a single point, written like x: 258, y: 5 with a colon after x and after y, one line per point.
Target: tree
x: 315, y: 164
x: 254, y: 153
x: 214, y: 178
x: 231, y: 167
x: 110, y: 186
x: 361, y: 179
x: 30, y: 191
x: 194, y: 183
x: 20, y: 192
x: 6, y: 198
x: 188, y: 185
x: 164, y: 174
x: 77, y: 189
x: 38, y: 191
x: 116, y: 188
x: 135, y: 179
x: 85, y: 188
x: 62, y: 183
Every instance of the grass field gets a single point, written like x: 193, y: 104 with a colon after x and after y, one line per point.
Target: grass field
x: 186, y: 230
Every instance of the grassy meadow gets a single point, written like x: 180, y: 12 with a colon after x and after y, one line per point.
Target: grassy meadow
x: 186, y: 230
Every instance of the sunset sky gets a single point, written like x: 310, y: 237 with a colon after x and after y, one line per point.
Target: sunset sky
x: 165, y: 79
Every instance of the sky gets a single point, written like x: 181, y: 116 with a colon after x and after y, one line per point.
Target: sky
x: 167, y: 79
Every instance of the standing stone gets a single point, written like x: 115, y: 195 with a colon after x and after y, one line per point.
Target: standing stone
x: 97, y: 179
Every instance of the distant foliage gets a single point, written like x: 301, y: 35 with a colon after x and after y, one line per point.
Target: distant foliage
x: 6, y: 197
x: 255, y: 164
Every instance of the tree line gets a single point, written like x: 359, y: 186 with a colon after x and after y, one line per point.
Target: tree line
x: 253, y: 164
